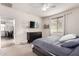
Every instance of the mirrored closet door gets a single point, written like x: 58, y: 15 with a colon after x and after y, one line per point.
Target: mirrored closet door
x: 7, y: 30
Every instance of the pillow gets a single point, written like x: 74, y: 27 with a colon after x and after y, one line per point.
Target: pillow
x: 71, y: 43
x: 67, y: 37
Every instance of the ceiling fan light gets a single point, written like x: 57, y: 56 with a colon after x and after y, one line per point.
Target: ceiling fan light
x: 44, y: 9
x: 47, y: 6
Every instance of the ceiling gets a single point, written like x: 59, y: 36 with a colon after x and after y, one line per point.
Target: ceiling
x: 36, y: 8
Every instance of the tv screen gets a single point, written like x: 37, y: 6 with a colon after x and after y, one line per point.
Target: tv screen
x: 32, y: 24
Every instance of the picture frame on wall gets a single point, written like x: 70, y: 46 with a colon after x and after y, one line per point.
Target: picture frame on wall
x: 46, y: 26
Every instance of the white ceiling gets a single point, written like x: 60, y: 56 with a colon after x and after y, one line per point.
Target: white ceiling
x: 35, y: 8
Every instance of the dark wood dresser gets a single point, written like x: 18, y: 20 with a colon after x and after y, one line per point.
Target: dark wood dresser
x: 31, y: 36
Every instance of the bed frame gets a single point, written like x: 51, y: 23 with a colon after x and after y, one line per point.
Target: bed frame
x: 40, y: 52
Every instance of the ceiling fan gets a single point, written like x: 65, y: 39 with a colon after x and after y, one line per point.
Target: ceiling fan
x: 46, y: 6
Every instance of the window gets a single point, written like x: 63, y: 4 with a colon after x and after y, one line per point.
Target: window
x: 57, y: 25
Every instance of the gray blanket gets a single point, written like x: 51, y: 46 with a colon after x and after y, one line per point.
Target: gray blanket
x: 51, y: 45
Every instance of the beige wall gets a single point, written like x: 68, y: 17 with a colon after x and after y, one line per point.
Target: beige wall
x: 21, y: 22
x: 46, y: 32
x: 71, y: 18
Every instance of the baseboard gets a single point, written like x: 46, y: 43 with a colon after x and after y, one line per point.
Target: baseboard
x: 21, y: 43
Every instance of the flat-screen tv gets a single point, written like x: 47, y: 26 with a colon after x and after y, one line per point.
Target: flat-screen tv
x: 32, y: 24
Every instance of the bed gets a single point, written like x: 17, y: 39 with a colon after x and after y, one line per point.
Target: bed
x: 50, y: 47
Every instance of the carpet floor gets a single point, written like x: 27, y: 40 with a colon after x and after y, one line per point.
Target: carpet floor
x: 17, y: 50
